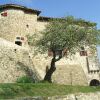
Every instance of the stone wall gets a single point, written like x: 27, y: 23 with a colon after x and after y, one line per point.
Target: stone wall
x: 41, y: 26
x: 17, y: 23
x: 15, y: 62
x: 70, y: 75
x: 71, y: 71
x: 20, y: 23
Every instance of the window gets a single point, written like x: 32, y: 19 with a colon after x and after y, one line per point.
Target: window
x: 27, y: 26
x: 18, y: 43
x: 18, y: 38
x: 83, y: 52
x: 22, y: 38
x: 4, y: 14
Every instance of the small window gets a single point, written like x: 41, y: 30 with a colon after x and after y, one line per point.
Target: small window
x: 18, y: 43
x: 22, y: 38
x: 18, y: 38
x: 4, y: 14
x: 83, y: 52
x: 27, y: 26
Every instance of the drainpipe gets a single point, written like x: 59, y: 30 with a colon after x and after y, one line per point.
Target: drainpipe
x: 87, y: 61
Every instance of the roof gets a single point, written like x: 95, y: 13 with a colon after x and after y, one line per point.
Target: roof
x: 77, y: 21
x: 44, y: 18
x: 6, y: 6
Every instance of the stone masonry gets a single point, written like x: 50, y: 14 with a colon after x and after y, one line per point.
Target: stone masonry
x: 16, y: 22
x: 14, y: 60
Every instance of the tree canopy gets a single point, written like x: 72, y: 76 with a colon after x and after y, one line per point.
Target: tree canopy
x: 65, y: 33
x: 68, y: 33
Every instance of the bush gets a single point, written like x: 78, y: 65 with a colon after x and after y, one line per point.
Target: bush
x: 24, y: 79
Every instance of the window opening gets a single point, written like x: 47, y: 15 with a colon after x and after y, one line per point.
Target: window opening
x: 18, y: 38
x: 83, y: 52
x: 18, y: 43
x: 4, y: 14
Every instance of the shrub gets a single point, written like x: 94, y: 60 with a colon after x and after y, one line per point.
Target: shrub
x: 24, y: 79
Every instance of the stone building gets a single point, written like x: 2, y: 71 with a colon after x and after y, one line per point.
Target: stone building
x: 16, y: 22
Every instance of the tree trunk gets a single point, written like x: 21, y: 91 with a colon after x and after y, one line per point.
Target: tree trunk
x: 50, y: 71
x: 52, y: 68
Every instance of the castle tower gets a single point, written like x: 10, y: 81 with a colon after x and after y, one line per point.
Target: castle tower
x: 16, y: 22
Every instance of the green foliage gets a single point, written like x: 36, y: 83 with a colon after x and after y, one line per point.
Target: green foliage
x: 11, y: 91
x: 24, y: 79
x: 68, y: 33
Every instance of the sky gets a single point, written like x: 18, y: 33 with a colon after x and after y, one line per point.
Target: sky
x: 85, y: 9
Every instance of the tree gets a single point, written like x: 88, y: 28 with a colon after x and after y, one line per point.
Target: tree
x: 65, y: 34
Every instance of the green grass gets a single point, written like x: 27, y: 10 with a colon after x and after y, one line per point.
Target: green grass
x: 10, y: 91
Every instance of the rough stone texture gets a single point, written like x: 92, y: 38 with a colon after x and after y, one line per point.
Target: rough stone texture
x: 14, y: 62
x: 70, y: 74
x: 20, y: 23
x: 41, y: 61
x: 41, y: 26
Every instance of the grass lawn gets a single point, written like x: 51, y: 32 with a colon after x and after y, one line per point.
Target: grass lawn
x: 10, y: 91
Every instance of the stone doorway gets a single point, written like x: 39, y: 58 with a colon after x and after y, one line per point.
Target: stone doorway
x: 94, y: 82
